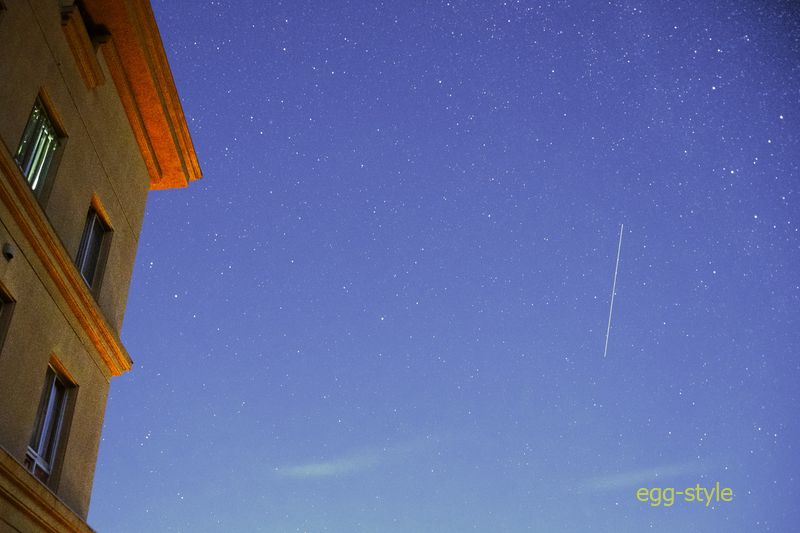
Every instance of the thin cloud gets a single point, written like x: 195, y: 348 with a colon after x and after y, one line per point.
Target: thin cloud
x: 639, y: 477
x: 356, y: 462
x: 349, y: 464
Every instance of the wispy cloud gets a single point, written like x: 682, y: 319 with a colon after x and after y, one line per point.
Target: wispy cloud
x: 355, y: 462
x: 349, y: 464
x: 639, y: 477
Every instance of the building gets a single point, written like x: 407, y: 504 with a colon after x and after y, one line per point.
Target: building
x: 90, y: 122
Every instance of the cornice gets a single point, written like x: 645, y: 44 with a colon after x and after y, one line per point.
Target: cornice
x: 138, y: 65
x: 29, y: 217
x: 36, y: 502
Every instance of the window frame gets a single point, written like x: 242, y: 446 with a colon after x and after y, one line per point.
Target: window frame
x: 96, y: 223
x: 44, y: 451
x: 24, y: 153
x: 7, y: 304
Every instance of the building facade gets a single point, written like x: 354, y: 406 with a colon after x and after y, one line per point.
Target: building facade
x: 90, y: 122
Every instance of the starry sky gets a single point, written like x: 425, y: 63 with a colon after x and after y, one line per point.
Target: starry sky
x: 384, y: 308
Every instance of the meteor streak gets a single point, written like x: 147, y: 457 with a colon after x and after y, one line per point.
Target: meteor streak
x: 613, y: 290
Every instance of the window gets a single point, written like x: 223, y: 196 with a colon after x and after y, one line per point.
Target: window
x: 81, y: 34
x: 47, y: 435
x: 93, y: 248
x: 6, y: 307
x: 37, y: 148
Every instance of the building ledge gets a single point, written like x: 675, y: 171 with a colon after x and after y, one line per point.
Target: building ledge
x: 28, y: 505
x: 138, y: 64
x: 67, y: 283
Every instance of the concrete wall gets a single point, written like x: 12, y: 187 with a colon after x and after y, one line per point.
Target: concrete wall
x: 100, y: 154
x: 101, y: 158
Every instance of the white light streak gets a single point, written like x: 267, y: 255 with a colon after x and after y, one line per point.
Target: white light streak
x: 613, y: 290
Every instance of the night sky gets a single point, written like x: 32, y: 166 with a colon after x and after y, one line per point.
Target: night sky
x: 384, y: 307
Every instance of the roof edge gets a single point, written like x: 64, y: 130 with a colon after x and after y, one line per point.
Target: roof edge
x: 137, y: 61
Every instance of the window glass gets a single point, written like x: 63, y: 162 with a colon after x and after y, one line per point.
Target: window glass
x: 37, y: 148
x: 44, y: 443
x: 91, y: 247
